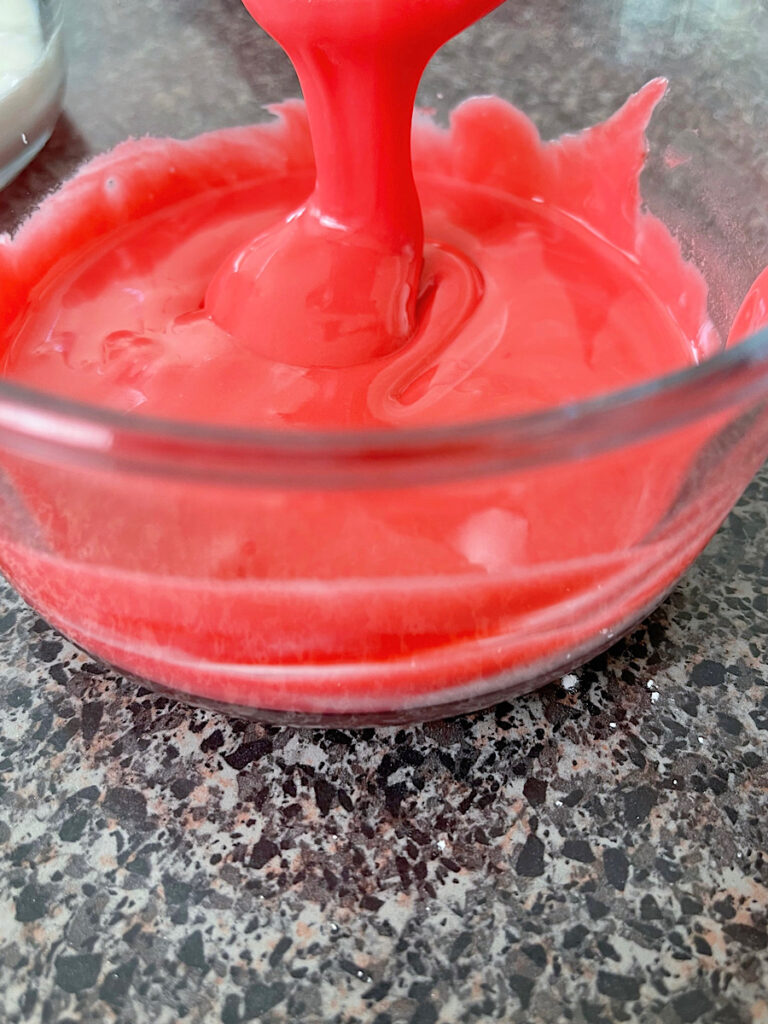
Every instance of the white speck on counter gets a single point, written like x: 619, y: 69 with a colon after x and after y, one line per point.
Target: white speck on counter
x: 655, y: 697
x: 569, y: 682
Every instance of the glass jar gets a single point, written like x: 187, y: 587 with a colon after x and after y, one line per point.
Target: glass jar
x: 32, y: 78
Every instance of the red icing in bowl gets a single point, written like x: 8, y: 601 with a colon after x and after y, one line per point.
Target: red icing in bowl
x: 544, y: 283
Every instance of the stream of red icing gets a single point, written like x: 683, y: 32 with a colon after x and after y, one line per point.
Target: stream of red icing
x: 543, y: 282
x: 287, y: 293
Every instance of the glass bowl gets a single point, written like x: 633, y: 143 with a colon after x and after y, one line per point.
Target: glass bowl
x: 169, y: 549
x: 32, y: 80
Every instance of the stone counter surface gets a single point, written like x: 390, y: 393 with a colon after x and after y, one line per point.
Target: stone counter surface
x: 592, y: 853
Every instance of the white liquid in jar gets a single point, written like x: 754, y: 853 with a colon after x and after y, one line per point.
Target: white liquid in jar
x: 31, y: 83
x: 21, y: 42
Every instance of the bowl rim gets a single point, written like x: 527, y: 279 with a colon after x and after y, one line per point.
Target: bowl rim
x: 48, y: 427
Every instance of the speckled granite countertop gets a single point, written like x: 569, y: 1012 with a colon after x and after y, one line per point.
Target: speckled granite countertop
x: 592, y: 853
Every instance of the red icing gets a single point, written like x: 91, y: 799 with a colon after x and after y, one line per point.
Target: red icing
x: 287, y: 294
x: 522, y: 306
x: 543, y: 282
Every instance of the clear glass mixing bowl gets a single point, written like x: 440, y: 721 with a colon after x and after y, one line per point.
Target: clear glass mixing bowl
x: 32, y: 78
x: 123, y: 532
